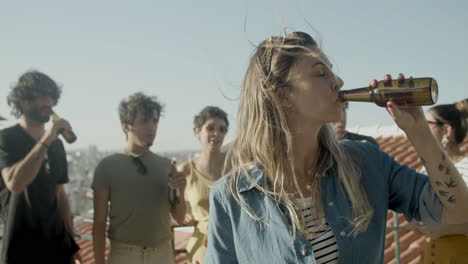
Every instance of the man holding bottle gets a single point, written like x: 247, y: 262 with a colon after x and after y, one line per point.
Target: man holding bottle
x: 33, y: 165
x: 136, y: 184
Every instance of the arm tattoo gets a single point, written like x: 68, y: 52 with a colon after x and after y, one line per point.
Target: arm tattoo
x: 423, y: 161
x: 447, y: 171
x: 444, y: 157
x: 452, y: 199
x: 441, y: 167
x: 438, y: 183
x: 443, y: 193
x: 451, y: 183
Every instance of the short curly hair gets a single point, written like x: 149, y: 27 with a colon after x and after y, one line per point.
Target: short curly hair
x: 32, y: 84
x: 207, y: 113
x: 138, y: 103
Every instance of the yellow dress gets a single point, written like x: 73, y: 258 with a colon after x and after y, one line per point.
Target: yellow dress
x: 198, y: 192
x: 446, y: 250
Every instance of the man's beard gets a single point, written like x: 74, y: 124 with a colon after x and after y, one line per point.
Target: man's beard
x: 35, y: 114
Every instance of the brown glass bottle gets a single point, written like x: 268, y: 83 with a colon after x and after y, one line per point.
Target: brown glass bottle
x: 408, y: 92
x: 68, y: 135
x: 173, y: 193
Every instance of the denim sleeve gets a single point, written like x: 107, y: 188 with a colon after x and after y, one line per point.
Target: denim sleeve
x: 411, y: 193
x: 220, y: 236
x: 430, y: 206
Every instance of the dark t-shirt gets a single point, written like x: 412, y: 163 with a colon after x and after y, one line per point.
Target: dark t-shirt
x: 358, y: 137
x: 34, y: 228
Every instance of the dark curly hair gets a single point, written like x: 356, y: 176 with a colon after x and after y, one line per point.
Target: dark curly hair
x: 31, y: 85
x: 138, y: 103
x: 207, y: 113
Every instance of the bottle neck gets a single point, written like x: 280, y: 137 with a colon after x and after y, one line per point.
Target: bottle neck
x: 363, y: 94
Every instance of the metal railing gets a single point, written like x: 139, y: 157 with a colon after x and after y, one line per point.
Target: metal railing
x: 397, y: 228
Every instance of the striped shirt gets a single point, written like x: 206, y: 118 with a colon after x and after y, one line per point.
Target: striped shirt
x: 323, y: 241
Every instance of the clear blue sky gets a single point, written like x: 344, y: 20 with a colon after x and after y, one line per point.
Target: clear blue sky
x: 194, y: 53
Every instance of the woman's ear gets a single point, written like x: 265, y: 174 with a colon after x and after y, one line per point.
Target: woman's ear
x: 449, y: 132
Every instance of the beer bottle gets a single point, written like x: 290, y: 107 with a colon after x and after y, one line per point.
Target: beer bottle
x: 173, y: 193
x: 68, y: 135
x: 407, y: 92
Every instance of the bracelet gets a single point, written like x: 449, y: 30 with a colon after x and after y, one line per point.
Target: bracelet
x: 44, y: 144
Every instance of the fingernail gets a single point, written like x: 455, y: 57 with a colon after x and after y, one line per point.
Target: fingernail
x: 401, y: 79
x: 389, y: 105
x: 411, y: 82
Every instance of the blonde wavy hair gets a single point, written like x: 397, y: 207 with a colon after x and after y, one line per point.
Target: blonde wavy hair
x: 264, y: 138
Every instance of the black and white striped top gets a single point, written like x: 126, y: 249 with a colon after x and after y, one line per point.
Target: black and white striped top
x: 323, y: 241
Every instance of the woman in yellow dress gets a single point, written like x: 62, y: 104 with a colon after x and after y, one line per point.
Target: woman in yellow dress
x: 210, y: 127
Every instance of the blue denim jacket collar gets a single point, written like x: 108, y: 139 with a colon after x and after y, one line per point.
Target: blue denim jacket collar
x: 255, y: 177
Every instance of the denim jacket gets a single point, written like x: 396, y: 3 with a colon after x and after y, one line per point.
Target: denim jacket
x: 235, y: 237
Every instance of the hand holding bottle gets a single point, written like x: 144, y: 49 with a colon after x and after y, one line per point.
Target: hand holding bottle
x: 409, y: 92
x: 176, y: 183
x: 54, y: 129
x: 406, y: 117
x: 66, y: 132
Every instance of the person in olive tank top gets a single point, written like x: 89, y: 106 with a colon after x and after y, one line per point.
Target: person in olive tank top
x: 210, y: 127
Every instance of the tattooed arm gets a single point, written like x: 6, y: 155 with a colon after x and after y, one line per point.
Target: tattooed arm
x: 445, y: 180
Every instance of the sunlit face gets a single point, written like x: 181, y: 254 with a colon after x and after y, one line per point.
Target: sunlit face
x: 39, y: 109
x: 314, y: 90
x: 211, y: 134
x: 340, y: 126
x: 437, y: 129
x: 143, y: 130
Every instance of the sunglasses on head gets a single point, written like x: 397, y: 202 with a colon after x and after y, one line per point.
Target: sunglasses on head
x: 141, y: 168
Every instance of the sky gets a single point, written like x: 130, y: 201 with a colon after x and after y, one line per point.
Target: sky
x: 191, y: 54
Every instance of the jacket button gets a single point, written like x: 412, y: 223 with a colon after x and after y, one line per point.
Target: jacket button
x: 304, y: 252
x: 331, y: 204
x: 342, y: 233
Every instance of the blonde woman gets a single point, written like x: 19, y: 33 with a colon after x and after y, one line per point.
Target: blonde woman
x: 210, y: 127
x: 297, y: 195
x: 448, y: 243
